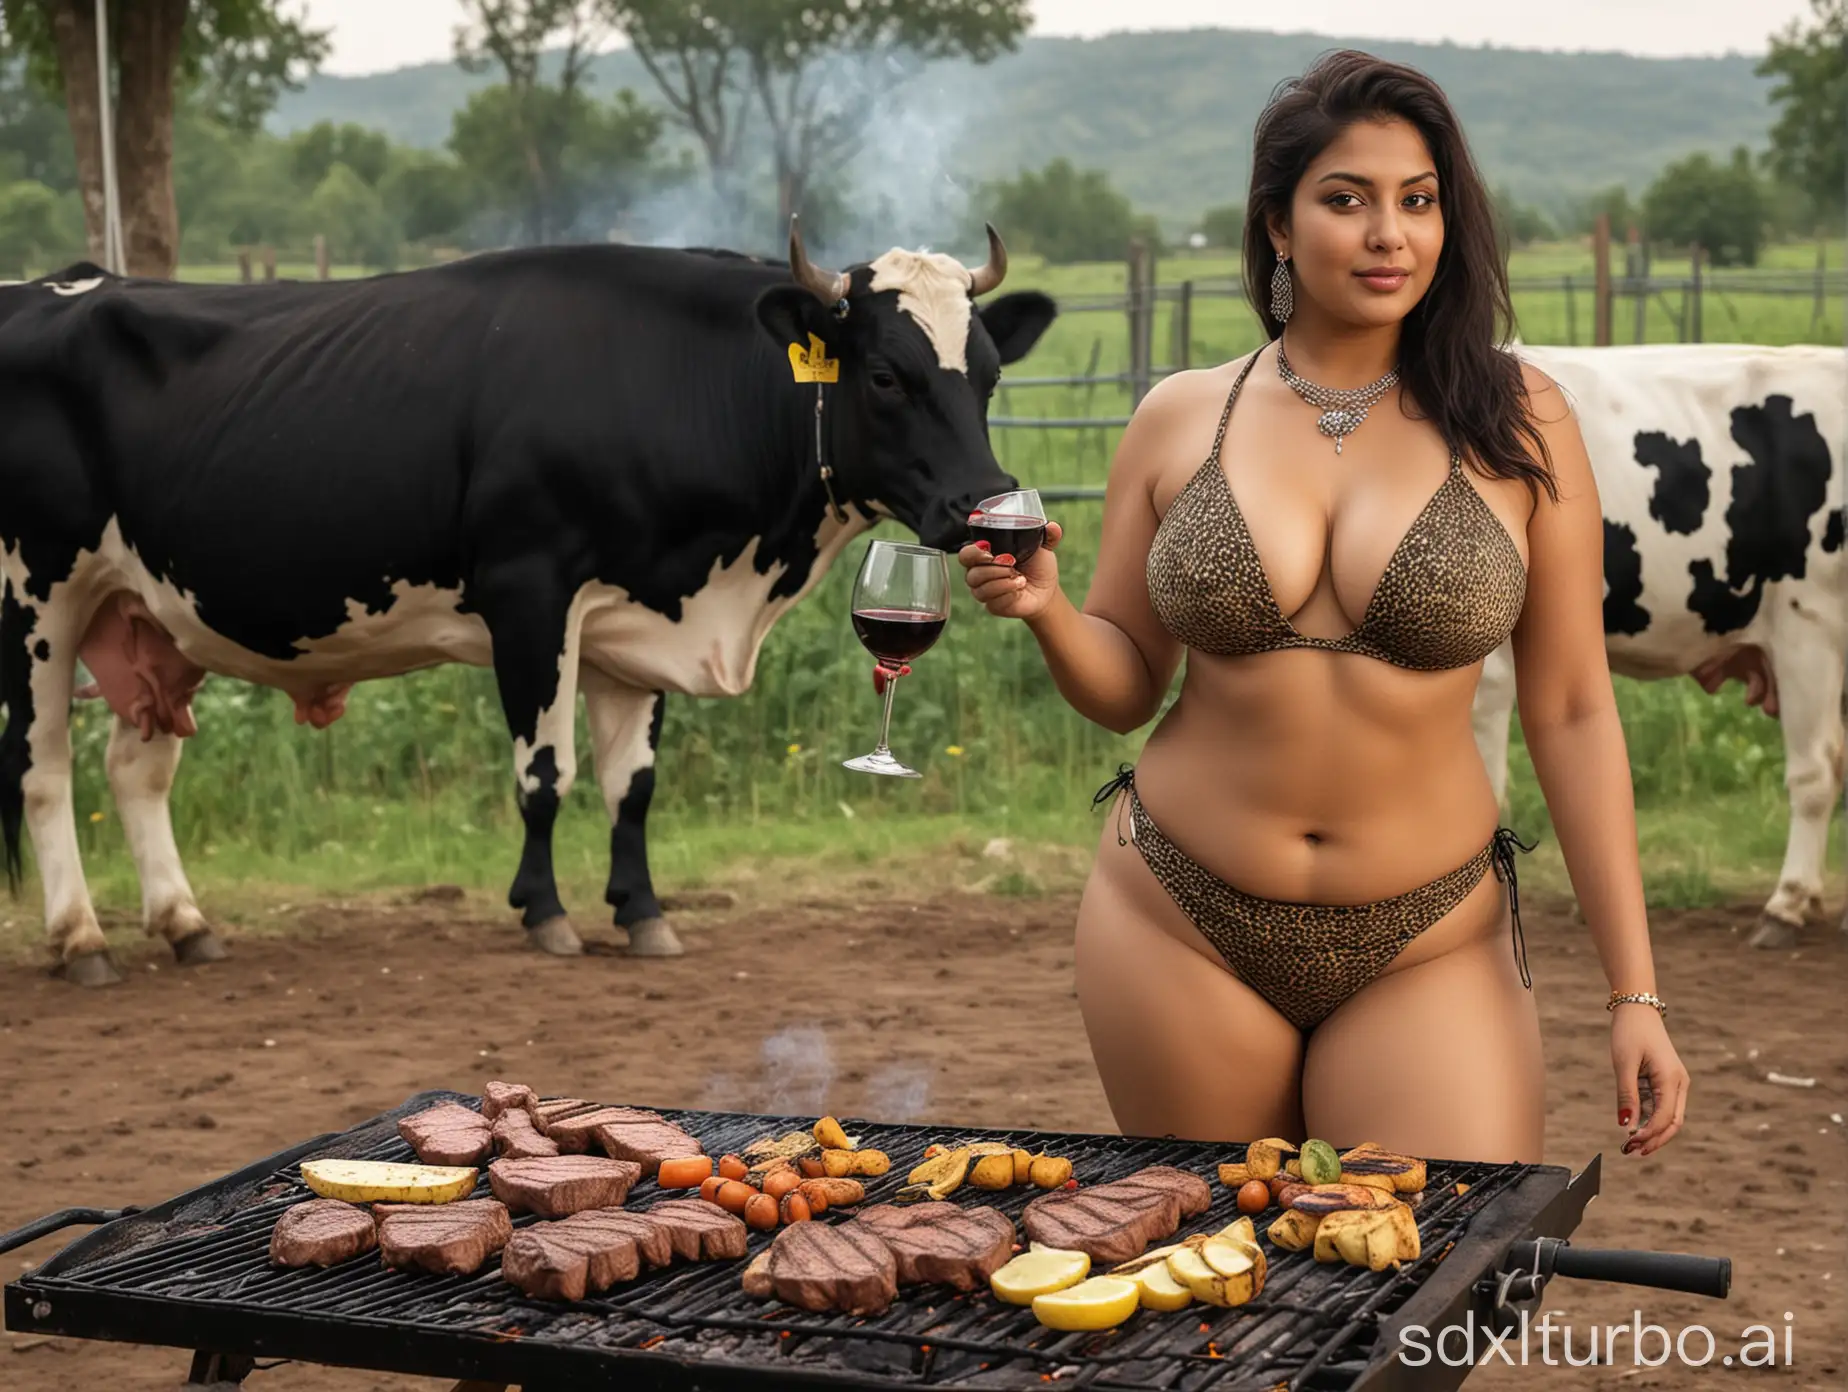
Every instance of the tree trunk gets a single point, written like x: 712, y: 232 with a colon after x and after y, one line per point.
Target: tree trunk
x: 147, y: 56
x: 73, y: 30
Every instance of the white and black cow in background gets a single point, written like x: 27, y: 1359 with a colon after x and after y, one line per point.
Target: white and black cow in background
x: 592, y: 468
x: 1723, y: 554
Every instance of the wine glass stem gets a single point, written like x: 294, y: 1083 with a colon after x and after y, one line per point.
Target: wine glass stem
x: 885, y: 724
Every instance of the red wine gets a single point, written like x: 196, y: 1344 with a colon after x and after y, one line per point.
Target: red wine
x: 897, y: 635
x: 1008, y: 534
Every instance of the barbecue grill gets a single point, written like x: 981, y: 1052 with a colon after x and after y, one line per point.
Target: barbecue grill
x: 193, y: 1273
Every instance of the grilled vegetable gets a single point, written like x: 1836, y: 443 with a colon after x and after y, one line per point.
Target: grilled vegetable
x: 1373, y: 1238
x: 385, y: 1181
x: 1264, y: 1158
x: 1240, y: 1230
x: 936, y: 1178
x: 1235, y: 1177
x: 1160, y: 1291
x: 829, y: 1136
x: 789, y: 1146
x: 1023, y: 1165
x: 995, y: 1172
x: 1253, y: 1196
x: 1295, y: 1230
x: 1049, y: 1171
x: 1217, y: 1272
x: 1320, y: 1164
x: 1331, y: 1198
x: 1370, y: 1164
x: 824, y: 1194
x: 843, y: 1164
x: 685, y: 1173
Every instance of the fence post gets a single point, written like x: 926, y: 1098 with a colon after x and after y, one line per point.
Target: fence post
x: 269, y: 264
x: 1694, y: 289
x: 1182, y: 356
x: 1601, y: 270
x: 1140, y: 316
x: 243, y: 264
x: 1639, y: 282
x: 1571, y: 311
x: 320, y: 256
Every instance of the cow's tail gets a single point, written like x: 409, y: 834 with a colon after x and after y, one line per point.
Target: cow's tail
x: 16, y: 697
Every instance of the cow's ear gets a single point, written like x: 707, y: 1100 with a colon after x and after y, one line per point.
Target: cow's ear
x: 790, y: 314
x: 1015, y: 322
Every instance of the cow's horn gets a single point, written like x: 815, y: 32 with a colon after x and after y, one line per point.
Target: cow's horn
x: 830, y: 287
x: 989, y: 276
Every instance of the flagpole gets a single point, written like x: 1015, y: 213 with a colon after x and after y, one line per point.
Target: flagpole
x: 113, y: 258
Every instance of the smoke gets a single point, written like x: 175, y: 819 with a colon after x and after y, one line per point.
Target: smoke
x: 798, y: 1069
x: 901, y: 187
x: 897, y: 1092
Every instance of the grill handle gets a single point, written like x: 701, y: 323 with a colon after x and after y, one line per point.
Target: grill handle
x: 1676, y: 1271
x: 63, y: 1218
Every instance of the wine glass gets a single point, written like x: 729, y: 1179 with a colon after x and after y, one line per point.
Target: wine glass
x: 901, y: 601
x: 1013, y: 525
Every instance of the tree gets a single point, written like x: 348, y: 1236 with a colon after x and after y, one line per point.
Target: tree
x: 1065, y: 215
x: 1721, y: 207
x: 1224, y: 226
x: 318, y: 149
x: 28, y: 225
x: 544, y: 155
x: 537, y: 114
x: 428, y: 194
x: 1808, y: 146
x: 818, y: 71
x: 237, y: 55
x: 1613, y: 201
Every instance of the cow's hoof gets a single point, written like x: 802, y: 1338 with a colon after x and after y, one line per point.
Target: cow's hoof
x: 654, y: 937
x: 1774, y: 933
x: 557, y: 937
x: 200, y: 947
x: 91, y: 969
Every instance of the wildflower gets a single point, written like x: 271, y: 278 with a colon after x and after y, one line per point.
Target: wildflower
x: 793, y: 749
x: 954, y: 751
x: 96, y: 816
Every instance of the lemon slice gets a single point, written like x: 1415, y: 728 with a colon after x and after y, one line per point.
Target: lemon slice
x: 373, y: 1181
x: 1102, y: 1302
x: 1160, y: 1291
x: 1039, y: 1271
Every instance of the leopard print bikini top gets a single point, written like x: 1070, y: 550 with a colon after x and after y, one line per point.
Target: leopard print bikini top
x: 1449, y: 597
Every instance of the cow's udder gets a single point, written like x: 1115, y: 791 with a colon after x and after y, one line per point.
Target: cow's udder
x: 138, y: 670
x: 1750, y: 664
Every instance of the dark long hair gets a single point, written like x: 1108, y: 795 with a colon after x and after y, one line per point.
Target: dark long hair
x: 1452, y: 356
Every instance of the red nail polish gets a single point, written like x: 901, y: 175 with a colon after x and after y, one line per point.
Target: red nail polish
x: 983, y: 546
x: 1623, y: 1116
x: 1004, y: 560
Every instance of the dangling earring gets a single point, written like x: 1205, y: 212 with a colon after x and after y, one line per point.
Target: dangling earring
x: 1281, y: 301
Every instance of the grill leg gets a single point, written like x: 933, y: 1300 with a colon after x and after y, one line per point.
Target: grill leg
x: 220, y: 1370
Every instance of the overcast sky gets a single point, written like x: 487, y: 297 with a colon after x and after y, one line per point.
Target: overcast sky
x: 375, y: 35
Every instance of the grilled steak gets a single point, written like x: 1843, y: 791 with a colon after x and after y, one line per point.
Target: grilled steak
x: 321, y: 1232
x: 647, y: 1143
x: 556, y: 1186
x: 499, y: 1098
x: 448, y: 1135
x: 586, y: 1253
x: 517, y: 1138
x: 942, y: 1243
x: 826, y: 1266
x: 1116, y: 1221
x: 451, y: 1239
x: 574, y: 1131
x: 557, y: 1109
x: 700, y: 1230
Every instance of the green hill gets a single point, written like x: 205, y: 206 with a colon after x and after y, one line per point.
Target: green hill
x: 1168, y: 115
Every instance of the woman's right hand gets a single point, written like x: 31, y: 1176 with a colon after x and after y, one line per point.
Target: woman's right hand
x: 1013, y: 592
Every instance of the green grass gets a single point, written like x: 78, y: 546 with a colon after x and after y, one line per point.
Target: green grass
x: 414, y: 785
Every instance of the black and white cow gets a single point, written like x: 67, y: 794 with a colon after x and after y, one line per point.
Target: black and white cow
x: 595, y: 469
x: 1723, y: 554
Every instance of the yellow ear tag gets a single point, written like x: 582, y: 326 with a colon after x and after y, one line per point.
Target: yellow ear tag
x: 812, y: 364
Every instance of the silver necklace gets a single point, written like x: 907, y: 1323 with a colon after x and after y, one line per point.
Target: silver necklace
x: 1343, y: 409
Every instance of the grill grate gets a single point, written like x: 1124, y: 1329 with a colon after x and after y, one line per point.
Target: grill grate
x: 199, y: 1267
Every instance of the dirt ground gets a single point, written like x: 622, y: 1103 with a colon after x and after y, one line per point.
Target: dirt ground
x: 954, y: 1009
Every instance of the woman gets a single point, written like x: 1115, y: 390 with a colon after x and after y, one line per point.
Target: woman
x: 1302, y: 918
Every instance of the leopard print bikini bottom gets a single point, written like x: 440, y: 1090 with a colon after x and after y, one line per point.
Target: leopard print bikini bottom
x: 1307, y: 959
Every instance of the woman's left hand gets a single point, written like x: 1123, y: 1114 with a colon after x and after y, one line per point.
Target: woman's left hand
x: 1640, y: 1048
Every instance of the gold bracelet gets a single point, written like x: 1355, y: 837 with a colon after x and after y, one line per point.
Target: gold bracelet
x: 1640, y: 998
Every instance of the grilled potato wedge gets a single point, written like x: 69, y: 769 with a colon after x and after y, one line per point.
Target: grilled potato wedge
x: 1332, y: 1198
x: 1234, y: 1176
x: 1023, y: 1165
x: 829, y: 1135
x: 1294, y: 1231
x: 1049, y: 1171
x: 992, y: 1172
x: 1373, y: 1238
